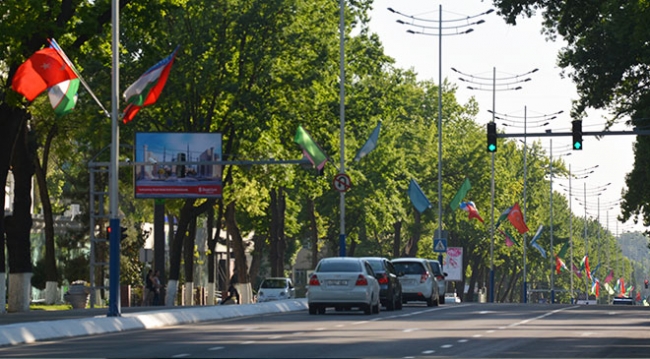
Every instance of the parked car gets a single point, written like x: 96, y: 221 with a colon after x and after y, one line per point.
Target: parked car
x: 275, y: 288
x: 343, y: 283
x: 623, y: 301
x: 417, y: 279
x: 441, y: 277
x: 390, y: 289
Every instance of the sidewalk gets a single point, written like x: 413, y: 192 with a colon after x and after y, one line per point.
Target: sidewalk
x: 39, y: 325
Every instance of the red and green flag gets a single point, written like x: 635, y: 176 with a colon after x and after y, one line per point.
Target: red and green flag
x: 146, y: 90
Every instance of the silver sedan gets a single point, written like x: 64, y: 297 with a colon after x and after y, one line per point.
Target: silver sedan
x: 343, y: 283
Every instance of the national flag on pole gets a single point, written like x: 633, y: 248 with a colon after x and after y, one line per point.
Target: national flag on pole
x: 539, y: 248
x: 609, y: 289
x: 464, y: 188
x: 609, y: 277
x: 370, y: 144
x: 417, y: 196
x: 503, y: 217
x: 537, y: 234
x: 638, y: 296
x: 595, y: 287
x: 146, y: 89
x: 563, y: 250
x: 559, y: 264
x: 584, y: 264
x: 470, y: 208
x: 510, y: 241
x: 576, y: 270
x: 310, y: 148
x: 517, y: 219
x: 47, y: 70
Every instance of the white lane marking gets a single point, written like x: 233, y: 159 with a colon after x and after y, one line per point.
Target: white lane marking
x: 320, y: 328
x: 486, y: 312
x: 215, y: 348
x: 180, y: 355
x: 340, y: 325
x: 410, y: 330
x: 248, y: 342
x: 428, y: 352
x: 275, y: 337
x: 477, y: 335
x: 298, y: 333
x: 361, y: 322
x: 409, y: 357
x: 446, y: 346
x: 489, y: 331
x: 586, y: 334
x: 501, y: 328
x: 462, y: 340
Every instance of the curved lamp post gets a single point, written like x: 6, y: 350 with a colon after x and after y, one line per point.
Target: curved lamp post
x: 422, y: 26
x: 515, y: 121
x: 505, y: 83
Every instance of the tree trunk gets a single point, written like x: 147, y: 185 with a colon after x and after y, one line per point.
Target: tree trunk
x: 176, y: 250
x: 311, y: 209
x: 411, y: 248
x: 397, y: 227
x: 188, y: 260
x: 241, y: 267
x: 20, y: 223
x: 51, y: 274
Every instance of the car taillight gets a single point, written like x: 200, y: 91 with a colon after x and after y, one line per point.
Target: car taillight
x: 440, y: 277
x: 424, y: 277
x: 383, y: 279
x: 361, y: 280
x: 313, y: 280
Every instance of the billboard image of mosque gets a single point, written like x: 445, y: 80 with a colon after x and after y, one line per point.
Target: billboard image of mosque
x: 177, y: 165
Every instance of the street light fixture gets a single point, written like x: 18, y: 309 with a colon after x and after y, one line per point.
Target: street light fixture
x: 505, y: 83
x: 421, y: 24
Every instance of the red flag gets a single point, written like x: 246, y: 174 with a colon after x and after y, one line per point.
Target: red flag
x: 41, y: 71
x: 638, y: 296
x: 470, y: 208
x: 517, y: 219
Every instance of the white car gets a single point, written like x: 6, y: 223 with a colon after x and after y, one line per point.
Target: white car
x: 343, y: 283
x: 418, y: 282
x: 276, y: 288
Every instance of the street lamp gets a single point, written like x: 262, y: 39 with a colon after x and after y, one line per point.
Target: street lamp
x: 540, y: 121
x: 505, y: 83
x: 455, y: 29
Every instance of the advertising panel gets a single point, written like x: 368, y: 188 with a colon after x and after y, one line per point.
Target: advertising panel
x: 177, y: 165
x: 453, y: 263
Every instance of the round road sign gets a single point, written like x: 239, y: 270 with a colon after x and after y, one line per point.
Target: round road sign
x: 342, y: 182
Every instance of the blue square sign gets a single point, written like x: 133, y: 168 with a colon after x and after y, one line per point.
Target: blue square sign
x: 440, y: 245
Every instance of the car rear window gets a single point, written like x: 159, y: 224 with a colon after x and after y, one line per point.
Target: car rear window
x: 409, y: 267
x: 274, y: 283
x: 336, y: 266
x: 436, y: 268
x: 376, y: 265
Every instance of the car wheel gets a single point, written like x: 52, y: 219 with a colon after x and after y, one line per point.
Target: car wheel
x: 399, y: 302
x: 376, y: 308
x: 441, y: 299
x: 312, y: 309
x: 430, y: 301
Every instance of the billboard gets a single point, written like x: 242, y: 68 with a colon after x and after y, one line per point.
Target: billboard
x: 453, y: 263
x: 177, y: 165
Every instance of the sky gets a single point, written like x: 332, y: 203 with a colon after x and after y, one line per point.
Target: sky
x: 496, y: 49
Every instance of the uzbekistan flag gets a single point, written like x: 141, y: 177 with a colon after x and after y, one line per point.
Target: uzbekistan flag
x: 146, y: 90
x: 47, y: 70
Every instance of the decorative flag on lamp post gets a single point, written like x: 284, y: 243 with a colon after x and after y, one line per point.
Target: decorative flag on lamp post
x: 370, y: 144
x: 534, y: 244
x: 584, y: 264
x: 310, y: 148
x: 609, y: 277
x: 47, y: 70
x: 503, y: 217
x: 464, y: 188
x: 510, y: 240
x: 517, y: 219
x: 471, y: 210
x: 417, y: 196
x: 146, y: 89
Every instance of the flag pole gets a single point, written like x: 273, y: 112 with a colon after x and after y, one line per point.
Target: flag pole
x: 65, y: 58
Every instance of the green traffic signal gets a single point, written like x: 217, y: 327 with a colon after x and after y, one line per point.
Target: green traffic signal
x: 492, y: 137
x: 577, y: 146
x: 576, y: 131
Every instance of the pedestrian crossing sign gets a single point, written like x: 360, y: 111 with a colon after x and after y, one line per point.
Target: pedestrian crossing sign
x: 440, y: 245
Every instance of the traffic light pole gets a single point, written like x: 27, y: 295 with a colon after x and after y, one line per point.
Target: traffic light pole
x: 560, y: 134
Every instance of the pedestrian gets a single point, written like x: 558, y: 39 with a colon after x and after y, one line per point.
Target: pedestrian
x: 232, y: 291
x: 148, y: 291
x: 157, y: 286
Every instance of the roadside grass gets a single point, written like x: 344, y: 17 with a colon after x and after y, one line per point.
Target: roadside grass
x: 50, y: 307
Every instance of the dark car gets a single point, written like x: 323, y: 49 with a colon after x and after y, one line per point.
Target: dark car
x: 441, y: 277
x: 390, y: 288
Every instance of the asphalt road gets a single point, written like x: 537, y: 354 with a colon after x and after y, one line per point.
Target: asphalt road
x: 453, y: 330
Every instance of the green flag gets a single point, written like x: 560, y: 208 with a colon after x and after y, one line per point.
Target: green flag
x: 464, y: 188
x: 563, y: 250
x: 310, y: 148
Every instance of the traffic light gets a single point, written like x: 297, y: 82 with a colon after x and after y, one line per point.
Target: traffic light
x: 123, y: 234
x: 577, y: 134
x: 492, y: 137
